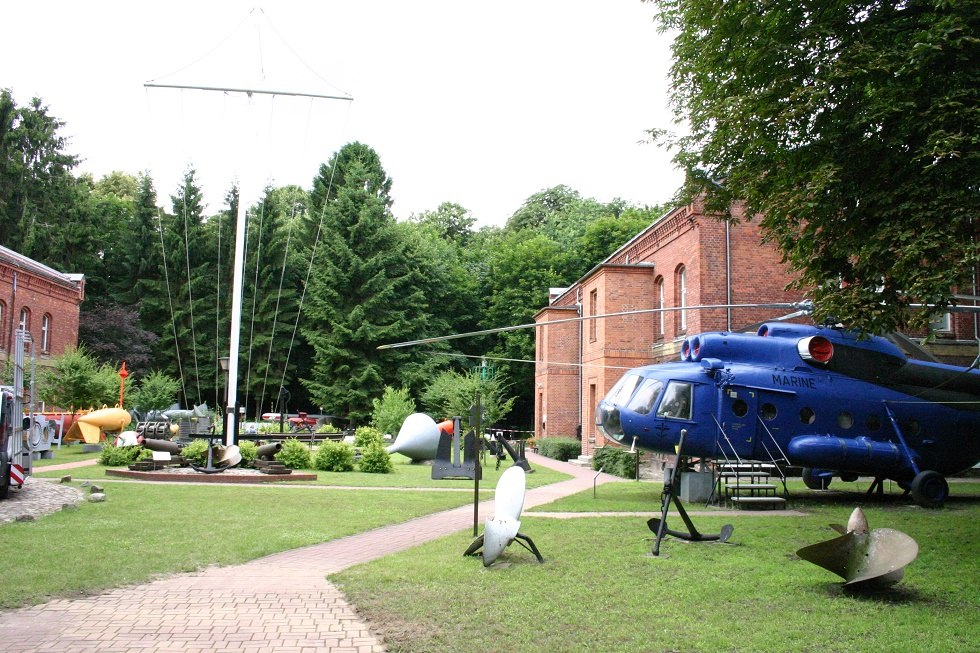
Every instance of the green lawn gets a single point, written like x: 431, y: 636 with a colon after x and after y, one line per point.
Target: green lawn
x: 143, y: 530
x: 645, y: 497
x: 600, y: 591
x: 405, y: 474
x: 66, y: 454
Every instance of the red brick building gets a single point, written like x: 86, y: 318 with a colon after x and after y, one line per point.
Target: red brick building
x: 684, y: 259
x: 41, y: 300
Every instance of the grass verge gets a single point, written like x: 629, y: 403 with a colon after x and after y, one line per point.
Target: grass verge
x: 405, y: 475
x: 645, y: 497
x: 66, y: 454
x: 142, y: 531
x: 598, y: 589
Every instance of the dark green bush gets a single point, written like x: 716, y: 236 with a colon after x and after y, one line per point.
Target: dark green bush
x: 247, y: 449
x: 376, y: 460
x: 295, y: 455
x: 113, y: 456
x: 614, y: 460
x: 334, y: 457
x: 367, y: 436
x: 196, y: 452
x: 559, y: 448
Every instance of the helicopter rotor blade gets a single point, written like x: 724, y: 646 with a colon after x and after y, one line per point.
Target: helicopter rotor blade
x: 805, y: 307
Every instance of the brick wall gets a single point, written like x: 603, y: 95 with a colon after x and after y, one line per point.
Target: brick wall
x: 631, y: 279
x: 51, y: 299
x: 557, y: 374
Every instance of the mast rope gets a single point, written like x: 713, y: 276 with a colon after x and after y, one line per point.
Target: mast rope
x: 255, y: 296
x: 217, y: 319
x: 170, y: 300
x: 309, y: 269
x: 275, y: 313
x: 190, y: 293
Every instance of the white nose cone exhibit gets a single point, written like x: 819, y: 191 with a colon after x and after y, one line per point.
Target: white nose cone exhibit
x: 418, y: 438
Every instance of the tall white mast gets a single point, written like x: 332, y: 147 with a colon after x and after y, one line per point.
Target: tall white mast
x: 234, y: 341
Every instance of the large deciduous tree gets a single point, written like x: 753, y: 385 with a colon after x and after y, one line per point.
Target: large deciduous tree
x: 852, y: 128
x: 36, y: 186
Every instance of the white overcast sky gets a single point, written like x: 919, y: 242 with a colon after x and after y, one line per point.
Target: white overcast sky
x: 478, y: 103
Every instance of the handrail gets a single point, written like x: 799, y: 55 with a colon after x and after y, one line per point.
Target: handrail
x: 728, y: 461
x: 782, y: 476
x: 722, y: 429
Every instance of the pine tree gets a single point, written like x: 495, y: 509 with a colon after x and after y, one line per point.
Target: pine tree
x: 274, y: 276
x: 186, y: 262
x: 363, y: 291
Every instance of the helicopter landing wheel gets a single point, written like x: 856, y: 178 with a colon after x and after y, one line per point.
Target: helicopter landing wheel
x: 813, y: 481
x: 929, y: 489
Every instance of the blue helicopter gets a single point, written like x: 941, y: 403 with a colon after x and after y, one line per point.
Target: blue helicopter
x: 821, y: 398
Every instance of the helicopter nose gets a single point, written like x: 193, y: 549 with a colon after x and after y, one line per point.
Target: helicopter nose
x: 608, y: 422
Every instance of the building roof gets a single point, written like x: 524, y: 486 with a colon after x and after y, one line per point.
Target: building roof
x: 30, y: 265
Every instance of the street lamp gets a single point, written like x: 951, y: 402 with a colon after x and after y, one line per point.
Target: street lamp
x: 223, y: 363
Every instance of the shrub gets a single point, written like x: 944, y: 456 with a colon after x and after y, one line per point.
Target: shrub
x: 451, y: 394
x: 327, y: 428
x: 196, y: 452
x: 113, y: 456
x: 559, y: 448
x: 614, y: 460
x: 248, y: 450
x: 391, y: 410
x: 334, y: 457
x: 375, y: 460
x: 368, y: 436
x: 294, y: 455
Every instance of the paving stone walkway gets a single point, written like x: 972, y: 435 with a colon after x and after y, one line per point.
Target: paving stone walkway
x: 281, y: 603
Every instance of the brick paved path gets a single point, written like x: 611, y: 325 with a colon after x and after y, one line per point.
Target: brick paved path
x: 281, y: 603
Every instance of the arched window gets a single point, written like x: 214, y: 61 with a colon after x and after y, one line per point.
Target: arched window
x: 3, y: 316
x: 25, y: 319
x: 681, y: 277
x: 661, y: 304
x: 593, y: 310
x: 46, y: 333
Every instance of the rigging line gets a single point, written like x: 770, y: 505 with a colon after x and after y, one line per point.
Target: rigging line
x: 255, y: 296
x: 258, y: 39
x: 275, y: 313
x: 190, y: 293
x: 526, y: 360
x: 170, y: 300
x: 211, y: 51
x: 309, y: 270
x: 300, y: 59
x: 423, y: 341
x: 217, y: 322
x: 309, y: 119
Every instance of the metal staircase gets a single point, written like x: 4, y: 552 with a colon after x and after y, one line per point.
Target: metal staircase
x: 750, y: 484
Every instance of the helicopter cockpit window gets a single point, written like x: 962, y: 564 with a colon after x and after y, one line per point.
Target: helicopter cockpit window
x: 623, y: 390
x: 677, y: 401
x: 646, y: 396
